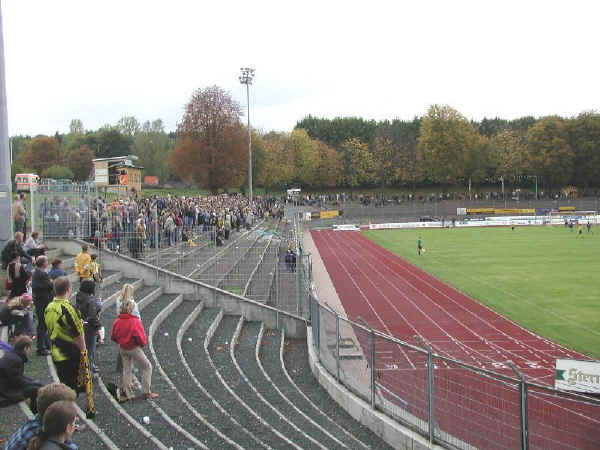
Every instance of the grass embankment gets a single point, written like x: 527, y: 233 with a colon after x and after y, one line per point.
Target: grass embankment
x: 541, y: 277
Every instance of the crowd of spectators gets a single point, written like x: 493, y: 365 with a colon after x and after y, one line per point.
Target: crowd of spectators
x: 134, y: 224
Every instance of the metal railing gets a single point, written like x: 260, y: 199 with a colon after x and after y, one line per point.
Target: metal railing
x: 451, y: 403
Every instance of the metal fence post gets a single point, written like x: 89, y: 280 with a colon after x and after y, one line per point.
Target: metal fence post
x: 372, y: 345
x: 32, y: 211
x: 522, y: 406
x: 430, y: 396
x: 156, y: 237
x: 337, y: 347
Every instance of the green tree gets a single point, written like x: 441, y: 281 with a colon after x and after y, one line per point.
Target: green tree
x: 445, y: 141
x: 508, y: 154
x: 76, y: 127
x: 57, y: 172
x: 277, y: 168
x: 109, y: 142
x: 550, y: 152
x: 359, y: 165
x: 128, y: 126
x: 305, y: 156
x: 584, y: 138
x: 80, y: 163
x: 152, y: 148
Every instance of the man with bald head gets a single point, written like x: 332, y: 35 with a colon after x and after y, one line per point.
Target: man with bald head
x: 43, y: 293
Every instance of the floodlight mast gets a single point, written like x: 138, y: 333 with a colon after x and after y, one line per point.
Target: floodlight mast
x: 247, y: 74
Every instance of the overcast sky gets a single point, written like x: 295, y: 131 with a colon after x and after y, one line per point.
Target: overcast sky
x: 101, y: 60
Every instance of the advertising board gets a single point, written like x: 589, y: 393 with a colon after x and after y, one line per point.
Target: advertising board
x: 578, y: 375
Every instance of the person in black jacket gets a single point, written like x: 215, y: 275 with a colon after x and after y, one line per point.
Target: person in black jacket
x: 14, y: 248
x: 15, y: 386
x: 89, y: 307
x: 43, y: 293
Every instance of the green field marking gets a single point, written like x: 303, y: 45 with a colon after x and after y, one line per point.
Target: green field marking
x: 540, y: 277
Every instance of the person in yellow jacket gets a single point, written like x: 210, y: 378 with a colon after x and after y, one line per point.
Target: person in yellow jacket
x: 65, y: 329
x: 83, y: 264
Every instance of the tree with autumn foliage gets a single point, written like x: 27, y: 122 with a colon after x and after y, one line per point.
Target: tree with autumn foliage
x: 550, y: 152
x: 212, y: 145
x: 360, y: 167
x: 80, y: 162
x: 41, y: 153
x: 277, y: 168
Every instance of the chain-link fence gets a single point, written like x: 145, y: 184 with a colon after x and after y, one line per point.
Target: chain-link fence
x: 262, y: 262
x: 452, y: 403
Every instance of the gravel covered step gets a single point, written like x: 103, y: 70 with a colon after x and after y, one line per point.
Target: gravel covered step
x: 219, y: 351
x: 204, y: 371
x: 108, y: 418
x: 167, y: 353
x: 246, y: 357
x: 216, y: 270
x: 295, y: 357
x: 336, y: 421
x: 262, y: 280
x: 236, y: 279
x: 11, y: 418
x: 158, y: 425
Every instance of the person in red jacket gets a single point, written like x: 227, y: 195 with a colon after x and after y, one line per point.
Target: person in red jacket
x: 129, y: 333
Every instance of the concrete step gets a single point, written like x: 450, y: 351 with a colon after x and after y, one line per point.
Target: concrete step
x: 201, y: 368
x: 246, y: 359
x: 333, y: 420
x: 125, y: 429
x: 188, y: 397
x: 282, y: 433
x: 297, y: 369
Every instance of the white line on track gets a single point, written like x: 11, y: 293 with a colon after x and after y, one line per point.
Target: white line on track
x: 383, y: 258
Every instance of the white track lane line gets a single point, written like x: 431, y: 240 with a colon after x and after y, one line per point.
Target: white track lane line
x: 483, y: 320
x: 363, y: 296
x: 410, y: 269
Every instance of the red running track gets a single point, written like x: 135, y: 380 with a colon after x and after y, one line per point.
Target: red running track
x: 402, y: 300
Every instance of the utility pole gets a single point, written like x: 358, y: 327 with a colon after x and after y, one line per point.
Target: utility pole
x: 6, y: 222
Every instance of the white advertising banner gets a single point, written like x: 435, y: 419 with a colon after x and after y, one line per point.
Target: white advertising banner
x: 577, y: 375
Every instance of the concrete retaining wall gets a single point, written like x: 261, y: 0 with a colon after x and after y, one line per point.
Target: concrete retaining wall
x: 191, y: 289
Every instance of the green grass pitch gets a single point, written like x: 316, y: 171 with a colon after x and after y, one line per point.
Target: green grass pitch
x: 541, y: 277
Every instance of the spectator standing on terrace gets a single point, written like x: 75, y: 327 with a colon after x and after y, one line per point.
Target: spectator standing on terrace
x: 56, y: 270
x: 66, y: 334
x: 15, y: 386
x: 89, y: 308
x: 47, y: 395
x: 129, y: 333
x: 43, y: 293
x: 18, y: 212
x: 83, y: 263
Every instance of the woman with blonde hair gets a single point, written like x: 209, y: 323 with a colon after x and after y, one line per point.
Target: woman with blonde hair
x: 126, y: 295
x: 129, y: 333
